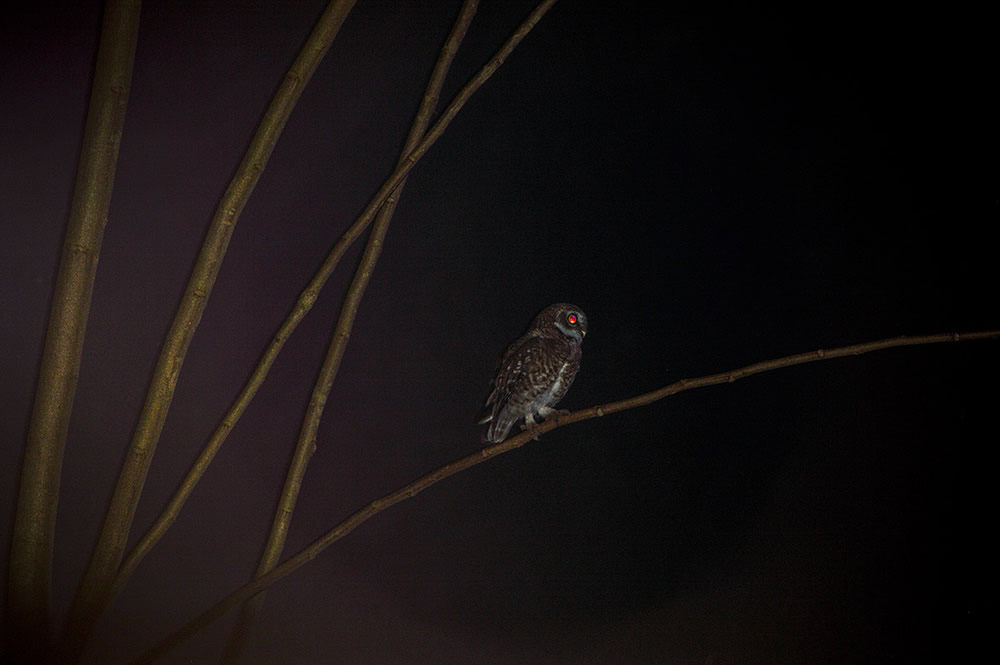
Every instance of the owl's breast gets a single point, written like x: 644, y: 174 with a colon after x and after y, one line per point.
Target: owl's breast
x: 563, y: 376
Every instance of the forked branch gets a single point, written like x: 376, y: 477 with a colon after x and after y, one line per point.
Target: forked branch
x: 338, y: 344
x: 98, y: 580
x: 308, y: 297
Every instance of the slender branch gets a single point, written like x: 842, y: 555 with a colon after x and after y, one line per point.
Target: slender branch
x: 96, y: 587
x: 30, y: 568
x: 306, y: 445
x: 308, y: 297
x: 345, y: 527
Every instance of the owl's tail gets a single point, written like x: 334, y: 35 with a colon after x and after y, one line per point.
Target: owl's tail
x: 498, y: 429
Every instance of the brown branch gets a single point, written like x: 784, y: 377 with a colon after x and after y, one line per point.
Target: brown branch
x: 306, y: 445
x: 96, y: 587
x: 30, y: 566
x: 766, y: 366
x: 345, y: 527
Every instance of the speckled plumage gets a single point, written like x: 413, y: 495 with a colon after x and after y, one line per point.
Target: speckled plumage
x: 536, y: 370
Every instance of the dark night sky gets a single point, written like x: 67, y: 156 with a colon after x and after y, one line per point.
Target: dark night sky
x: 713, y: 186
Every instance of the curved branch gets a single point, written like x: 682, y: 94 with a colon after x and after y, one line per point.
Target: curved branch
x: 308, y: 297
x: 96, y: 588
x: 306, y: 445
x: 378, y: 505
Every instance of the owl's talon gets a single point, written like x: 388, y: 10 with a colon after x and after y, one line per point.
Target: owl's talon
x: 533, y: 429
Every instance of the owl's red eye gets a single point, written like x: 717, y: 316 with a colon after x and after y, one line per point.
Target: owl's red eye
x: 572, y: 319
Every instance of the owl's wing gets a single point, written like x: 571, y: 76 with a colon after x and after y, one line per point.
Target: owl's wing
x: 488, y: 411
x: 508, y: 375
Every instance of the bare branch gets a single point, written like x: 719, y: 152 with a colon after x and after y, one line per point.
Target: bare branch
x: 30, y: 568
x: 306, y: 445
x: 308, y: 297
x: 345, y: 527
x: 96, y: 587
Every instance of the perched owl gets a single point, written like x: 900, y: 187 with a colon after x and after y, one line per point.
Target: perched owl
x: 535, y: 371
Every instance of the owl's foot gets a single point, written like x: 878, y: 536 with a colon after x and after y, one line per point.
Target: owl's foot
x: 533, y: 428
x: 545, y: 412
x: 529, y: 425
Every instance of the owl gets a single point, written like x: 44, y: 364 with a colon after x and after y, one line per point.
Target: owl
x: 535, y: 371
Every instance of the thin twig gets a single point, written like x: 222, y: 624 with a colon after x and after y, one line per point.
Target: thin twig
x: 306, y: 445
x: 30, y: 566
x: 308, y: 297
x: 96, y: 588
x: 345, y: 527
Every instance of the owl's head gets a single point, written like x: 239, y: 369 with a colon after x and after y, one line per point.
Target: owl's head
x: 562, y: 318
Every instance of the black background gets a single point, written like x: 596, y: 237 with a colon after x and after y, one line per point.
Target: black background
x: 714, y: 185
